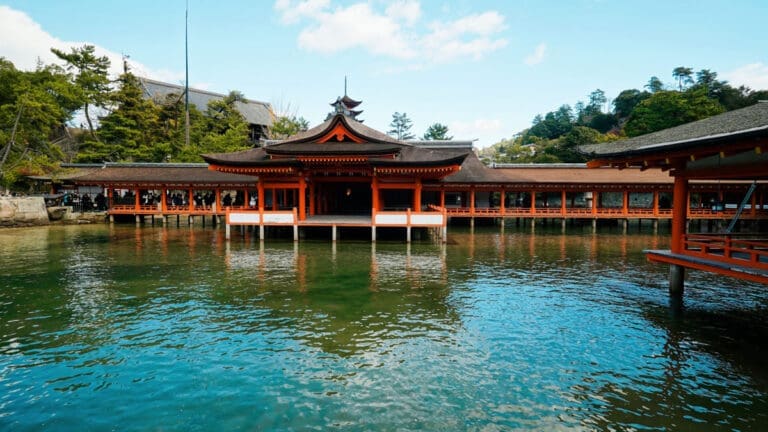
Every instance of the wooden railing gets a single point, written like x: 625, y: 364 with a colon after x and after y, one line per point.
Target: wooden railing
x: 741, y: 250
x: 570, y: 212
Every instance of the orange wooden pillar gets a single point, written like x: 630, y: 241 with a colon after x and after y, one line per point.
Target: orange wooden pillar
x: 312, y: 209
x: 533, y: 203
x: 217, y: 204
x: 502, y: 205
x: 562, y: 202
x: 625, y: 203
x: 164, y: 200
x: 137, y: 199
x: 442, y: 198
x: 262, y: 199
x: 191, y: 199
x: 375, y: 193
x: 679, y: 213
x: 302, y: 199
x: 417, y: 196
x: 594, y: 202
x: 472, y: 201
x: 274, y: 199
x: 655, y: 203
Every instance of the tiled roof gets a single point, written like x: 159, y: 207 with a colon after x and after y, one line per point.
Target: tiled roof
x: 580, y: 174
x: 156, y: 173
x: 254, y: 112
x: 740, y: 123
x: 316, y: 132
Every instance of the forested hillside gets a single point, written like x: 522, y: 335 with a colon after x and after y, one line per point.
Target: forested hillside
x: 554, y: 136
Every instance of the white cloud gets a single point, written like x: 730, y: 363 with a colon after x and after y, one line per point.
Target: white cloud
x: 24, y: 43
x: 753, y: 75
x: 485, y: 132
x: 407, y: 10
x: 356, y: 26
x: 394, y: 33
x: 292, y: 12
x: 537, y: 56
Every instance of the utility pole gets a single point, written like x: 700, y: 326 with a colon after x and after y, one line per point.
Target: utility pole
x: 186, y: 77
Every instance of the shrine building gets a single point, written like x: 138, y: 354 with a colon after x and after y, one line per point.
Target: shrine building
x: 344, y: 175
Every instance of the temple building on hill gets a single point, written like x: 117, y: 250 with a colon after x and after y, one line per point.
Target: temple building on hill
x: 257, y: 114
x: 344, y: 175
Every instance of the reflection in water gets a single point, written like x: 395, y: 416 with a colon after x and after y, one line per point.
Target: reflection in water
x: 178, y: 329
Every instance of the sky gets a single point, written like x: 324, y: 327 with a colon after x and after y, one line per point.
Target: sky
x: 483, y: 68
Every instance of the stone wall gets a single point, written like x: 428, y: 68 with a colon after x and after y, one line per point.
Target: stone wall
x: 22, y: 211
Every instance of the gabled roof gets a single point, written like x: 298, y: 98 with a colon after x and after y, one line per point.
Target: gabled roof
x: 254, y: 112
x: 339, y: 136
x: 170, y: 174
x: 357, y: 128
x: 748, y: 122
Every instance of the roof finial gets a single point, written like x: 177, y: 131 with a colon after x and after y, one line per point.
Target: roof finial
x: 345, y: 85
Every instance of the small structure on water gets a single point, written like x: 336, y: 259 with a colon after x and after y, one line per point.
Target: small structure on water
x: 727, y: 148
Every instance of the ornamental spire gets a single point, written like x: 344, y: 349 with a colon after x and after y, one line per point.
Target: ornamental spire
x: 345, y: 105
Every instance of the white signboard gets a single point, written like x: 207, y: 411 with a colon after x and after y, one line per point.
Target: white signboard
x: 278, y: 218
x: 427, y: 219
x: 391, y: 219
x: 250, y: 218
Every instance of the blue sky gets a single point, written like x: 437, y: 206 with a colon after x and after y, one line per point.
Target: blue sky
x: 484, y: 68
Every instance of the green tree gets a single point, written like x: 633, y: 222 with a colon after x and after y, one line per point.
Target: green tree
x: 627, y: 100
x: 683, y: 75
x: 554, y: 124
x: 34, y: 108
x: 221, y: 129
x: 401, y: 126
x: 436, y: 132
x: 285, y: 126
x: 130, y: 131
x: 666, y: 109
x: 90, y: 77
x: 654, y: 85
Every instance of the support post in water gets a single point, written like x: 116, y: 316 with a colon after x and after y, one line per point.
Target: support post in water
x: 676, y: 280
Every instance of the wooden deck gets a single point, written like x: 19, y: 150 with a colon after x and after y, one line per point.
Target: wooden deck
x: 743, y: 257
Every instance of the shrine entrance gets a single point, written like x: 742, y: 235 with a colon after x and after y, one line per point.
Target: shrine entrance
x: 344, y: 198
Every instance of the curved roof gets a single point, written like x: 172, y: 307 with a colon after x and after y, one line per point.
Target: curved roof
x: 340, y: 135
x: 741, y: 123
x: 368, y: 134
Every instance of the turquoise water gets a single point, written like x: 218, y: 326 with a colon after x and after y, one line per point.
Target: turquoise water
x: 175, y: 329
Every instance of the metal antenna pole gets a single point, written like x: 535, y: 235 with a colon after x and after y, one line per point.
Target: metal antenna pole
x: 186, y: 77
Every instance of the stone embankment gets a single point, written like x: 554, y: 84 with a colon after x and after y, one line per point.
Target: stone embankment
x: 22, y: 211
x: 31, y: 211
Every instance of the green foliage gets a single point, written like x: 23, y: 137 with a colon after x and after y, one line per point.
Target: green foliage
x: 129, y: 131
x: 90, y: 78
x: 552, y: 125
x: 401, y: 126
x: 437, y: 131
x: 34, y: 107
x: 666, y: 109
x: 654, y: 85
x: 627, y: 100
x: 285, y: 126
x: 683, y: 75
